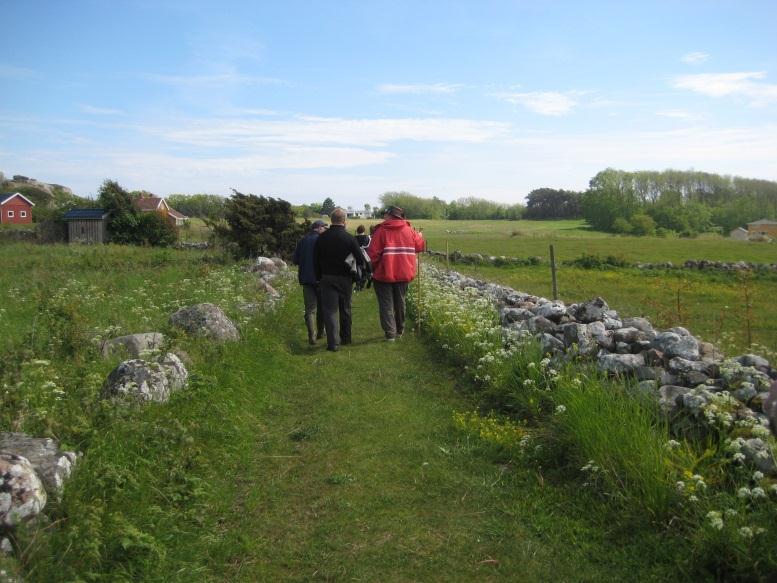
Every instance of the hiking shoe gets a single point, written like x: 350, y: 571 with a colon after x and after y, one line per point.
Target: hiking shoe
x: 333, y: 348
x: 390, y: 339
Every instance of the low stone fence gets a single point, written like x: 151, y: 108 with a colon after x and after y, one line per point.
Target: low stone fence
x: 686, y: 376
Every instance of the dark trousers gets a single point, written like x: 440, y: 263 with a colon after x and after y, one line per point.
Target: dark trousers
x: 391, y: 304
x: 336, y: 292
x: 314, y: 314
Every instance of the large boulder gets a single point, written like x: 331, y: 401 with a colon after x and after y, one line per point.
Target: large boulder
x: 263, y: 265
x: 669, y: 397
x: 206, y: 320
x: 146, y: 381
x: 770, y: 406
x: 22, y: 495
x: 553, y: 311
x: 52, y: 465
x: 135, y: 345
x: 677, y: 342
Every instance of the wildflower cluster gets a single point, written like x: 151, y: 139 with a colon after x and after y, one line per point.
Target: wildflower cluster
x: 691, y: 486
x: 490, y: 428
x: 466, y: 324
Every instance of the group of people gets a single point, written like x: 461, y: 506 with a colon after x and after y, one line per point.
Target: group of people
x: 329, y: 257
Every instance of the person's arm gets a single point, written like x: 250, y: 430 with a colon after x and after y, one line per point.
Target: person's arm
x: 317, y: 259
x: 375, y: 248
x: 357, y: 253
x: 418, y: 240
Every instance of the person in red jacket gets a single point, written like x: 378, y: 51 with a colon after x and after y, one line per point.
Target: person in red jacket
x: 392, y: 252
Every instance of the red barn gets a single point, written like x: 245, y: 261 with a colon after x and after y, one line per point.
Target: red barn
x: 15, y: 208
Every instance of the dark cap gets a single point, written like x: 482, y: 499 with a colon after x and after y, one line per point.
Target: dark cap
x: 317, y: 224
x: 395, y: 211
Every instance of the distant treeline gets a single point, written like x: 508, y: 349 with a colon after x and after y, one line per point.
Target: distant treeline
x: 685, y: 202
x: 470, y: 208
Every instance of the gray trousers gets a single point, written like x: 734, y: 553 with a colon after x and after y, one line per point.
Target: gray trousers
x: 314, y: 314
x: 391, y: 304
x: 336, y: 292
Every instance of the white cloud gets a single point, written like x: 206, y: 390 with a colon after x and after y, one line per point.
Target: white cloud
x: 678, y: 114
x: 695, y: 58
x: 544, y: 102
x: 742, y: 84
x: 307, y: 131
x: 419, y: 88
x: 94, y: 110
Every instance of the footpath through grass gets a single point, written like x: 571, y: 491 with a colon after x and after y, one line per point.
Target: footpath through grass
x: 356, y: 473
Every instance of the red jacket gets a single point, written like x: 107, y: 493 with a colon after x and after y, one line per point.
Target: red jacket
x: 393, y: 251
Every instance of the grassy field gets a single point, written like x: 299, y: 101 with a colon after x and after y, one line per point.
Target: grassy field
x: 281, y: 462
x: 573, y: 238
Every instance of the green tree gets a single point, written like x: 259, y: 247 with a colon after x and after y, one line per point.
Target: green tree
x: 257, y: 225
x: 642, y: 224
x: 549, y: 203
x: 327, y: 206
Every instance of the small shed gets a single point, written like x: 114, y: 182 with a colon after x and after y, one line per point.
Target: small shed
x: 87, y: 225
x: 739, y: 234
x: 15, y: 208
x: 763, y: 227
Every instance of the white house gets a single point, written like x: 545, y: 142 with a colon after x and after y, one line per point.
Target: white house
x: 352, y: 213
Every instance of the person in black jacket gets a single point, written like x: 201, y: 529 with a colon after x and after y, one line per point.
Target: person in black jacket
x: 304, y: 257
x: 335, y: 278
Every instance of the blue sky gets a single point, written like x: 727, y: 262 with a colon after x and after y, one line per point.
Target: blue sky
x: 308, y: 99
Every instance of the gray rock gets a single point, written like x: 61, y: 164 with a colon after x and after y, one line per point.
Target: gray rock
x: 620, y: 364
x: 550, y: 344
x: 681, y: 365
x: 22, y: 495
x: 603, y: 337
x: 759, y: 453
x: 280, y: 264
x: 539, y: 324
x: 627, y: 335
x: 668, y: 396
x: 135, y: 345
x: 648, y: 387
x: 206, y: 320
x: 770, y: 406
x: 753, y: 360
x: 6, y: 548
x: 694, y: 378
x: 263, y: 265
x: 553, y: 311
x: 509, y: 315
x: 745, y: 392
x: 672, y: 344
x: 146, y: 381
x: 695, y: 400
x: 580, y: 336
x: 52, y: 465
x: 592, y: 310
x: 642, y: 324
x: 648, y: 373
x: 666, y: 378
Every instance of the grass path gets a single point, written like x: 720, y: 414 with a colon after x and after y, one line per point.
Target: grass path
x: 354, y: 472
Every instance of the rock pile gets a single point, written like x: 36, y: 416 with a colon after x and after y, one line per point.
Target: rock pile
x: 685, y: 375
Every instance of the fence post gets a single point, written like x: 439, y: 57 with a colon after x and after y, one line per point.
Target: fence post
x: 553, y: 271
x: 418, y: 299
x: 447, y: 259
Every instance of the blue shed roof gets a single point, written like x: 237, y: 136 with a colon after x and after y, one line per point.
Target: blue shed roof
x: 73, y: 214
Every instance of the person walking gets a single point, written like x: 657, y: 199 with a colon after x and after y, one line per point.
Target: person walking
x: 392, y: 251
x: 336, y: 279
x: 363, y: 239
x: 306, y: 275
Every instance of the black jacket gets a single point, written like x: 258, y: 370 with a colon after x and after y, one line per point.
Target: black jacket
x: 332, y: 247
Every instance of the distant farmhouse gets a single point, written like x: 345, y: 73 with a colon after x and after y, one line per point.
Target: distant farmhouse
x: 762, y: 227
x: 159, y: 205
x: 15, y: 208
x: 352, y: 213
x: 739, y: 234
x: 87, y: 226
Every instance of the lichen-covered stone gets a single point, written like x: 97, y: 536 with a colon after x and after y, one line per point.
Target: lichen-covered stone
x: 206, y: 320
x: 52, y: 465
x: 146, y: 381
x: 22, y: 495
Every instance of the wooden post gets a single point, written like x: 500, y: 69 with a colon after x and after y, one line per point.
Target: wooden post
x: 553, y: 272
x: 447, y: 256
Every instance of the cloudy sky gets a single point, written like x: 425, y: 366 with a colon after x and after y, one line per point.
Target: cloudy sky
x: 349, y: 99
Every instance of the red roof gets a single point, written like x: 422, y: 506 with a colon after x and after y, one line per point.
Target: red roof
x: 4, y: 198
x: 148, y: 203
